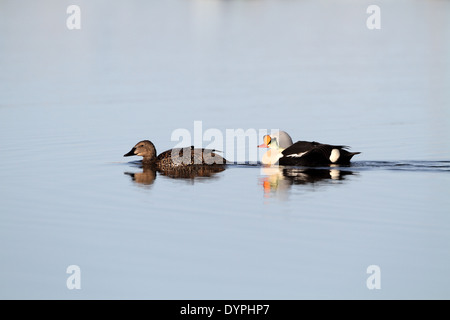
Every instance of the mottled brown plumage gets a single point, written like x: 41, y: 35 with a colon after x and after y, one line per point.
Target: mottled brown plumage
x: 175, y: 158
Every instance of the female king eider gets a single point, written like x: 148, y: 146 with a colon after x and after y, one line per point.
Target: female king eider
x: 302, y: 153
x: 174, y: 158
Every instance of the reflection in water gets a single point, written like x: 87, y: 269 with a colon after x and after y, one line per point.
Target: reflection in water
x: 146, y: 177
x: 149, y: 173
x: 278, y: 180
x: 192, y: 172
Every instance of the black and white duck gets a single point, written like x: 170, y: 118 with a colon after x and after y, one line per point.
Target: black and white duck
x: 283, y: 151
x: 175, y: 158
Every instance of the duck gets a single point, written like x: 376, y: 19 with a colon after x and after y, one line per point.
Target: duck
x: 175, y: 158
x: 283, y: 151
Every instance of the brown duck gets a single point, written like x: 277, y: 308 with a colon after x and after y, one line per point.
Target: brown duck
x: 175, y: 158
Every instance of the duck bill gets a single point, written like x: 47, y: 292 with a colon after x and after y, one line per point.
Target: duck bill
x: 263, y: 146
x: 131, y: 153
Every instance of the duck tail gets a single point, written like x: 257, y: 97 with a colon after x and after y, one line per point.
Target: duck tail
x: 351, y: 154
x: 347, y: 156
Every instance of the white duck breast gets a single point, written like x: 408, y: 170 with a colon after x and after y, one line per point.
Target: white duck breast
x: 271, y: 157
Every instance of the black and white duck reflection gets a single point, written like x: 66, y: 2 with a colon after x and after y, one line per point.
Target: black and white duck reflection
x: 178, y: 163
x: 283, y: 151
x: 279, y: 180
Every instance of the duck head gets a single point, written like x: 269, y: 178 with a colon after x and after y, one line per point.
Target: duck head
x: 276, y: 144
x: 278, y: 140
x: 274, y: 153
x: 145, y: 149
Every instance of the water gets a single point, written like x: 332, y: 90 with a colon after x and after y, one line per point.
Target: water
x: 72, y: 102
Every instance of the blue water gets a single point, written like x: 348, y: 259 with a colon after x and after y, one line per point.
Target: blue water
x: 72, y: 102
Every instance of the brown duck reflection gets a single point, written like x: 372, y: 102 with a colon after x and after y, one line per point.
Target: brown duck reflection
x: 146, y: 177
x: 280, y: 179
x: 149, y: 173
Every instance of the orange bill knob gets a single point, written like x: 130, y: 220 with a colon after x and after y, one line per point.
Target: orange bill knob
x: 266, y: 143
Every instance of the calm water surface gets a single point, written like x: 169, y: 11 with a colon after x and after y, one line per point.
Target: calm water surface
x: 72, y: 102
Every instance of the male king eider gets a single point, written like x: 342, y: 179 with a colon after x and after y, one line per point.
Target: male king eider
x: 302, y: 153
x: 174, y: 158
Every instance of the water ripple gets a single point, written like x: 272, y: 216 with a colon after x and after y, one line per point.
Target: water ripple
x: 416, y: 165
